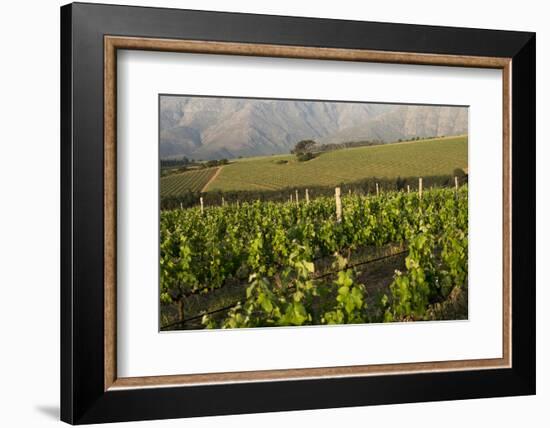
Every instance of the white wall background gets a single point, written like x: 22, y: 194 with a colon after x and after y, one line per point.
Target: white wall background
x: 29, y: 213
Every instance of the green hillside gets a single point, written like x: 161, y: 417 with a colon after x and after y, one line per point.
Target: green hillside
x: 420, y: 158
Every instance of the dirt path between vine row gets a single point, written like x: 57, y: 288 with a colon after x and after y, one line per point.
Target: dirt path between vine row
x: 212, y: 179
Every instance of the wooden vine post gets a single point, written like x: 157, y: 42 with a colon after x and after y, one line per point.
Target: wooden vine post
x: 202, y: 205
x: 181, y: 310
x: 297, y: 197
x: 408, y: 189
x: 338, y: 204
x: 456, y: 183
x: 377, y: 190
x: 307, y: 197
x: 420, y: 187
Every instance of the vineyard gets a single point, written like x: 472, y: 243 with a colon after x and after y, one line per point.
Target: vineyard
x: 438, y: 156
x: 310, y: 262
x: 193, y: 181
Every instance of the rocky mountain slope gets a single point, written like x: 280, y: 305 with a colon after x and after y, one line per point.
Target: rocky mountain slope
x: 214, y: 128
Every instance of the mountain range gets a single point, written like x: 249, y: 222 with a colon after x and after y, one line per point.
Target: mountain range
x: 215, y: 128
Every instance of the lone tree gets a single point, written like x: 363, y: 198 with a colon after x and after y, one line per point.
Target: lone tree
x: 303, y: 146
x: 303, y: 150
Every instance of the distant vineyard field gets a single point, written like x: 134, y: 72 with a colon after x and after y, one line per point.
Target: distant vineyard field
x: 193, y: 181
x: 419, y: 158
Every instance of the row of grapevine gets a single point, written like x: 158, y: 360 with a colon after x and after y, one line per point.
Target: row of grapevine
x: 193, y: 181
x: 273, y: 247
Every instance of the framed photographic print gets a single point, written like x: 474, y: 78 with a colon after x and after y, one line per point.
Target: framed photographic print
x: 265, y: 213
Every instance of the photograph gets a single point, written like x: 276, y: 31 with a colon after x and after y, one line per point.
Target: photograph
x: 263, y: 211
x: 288, y: 212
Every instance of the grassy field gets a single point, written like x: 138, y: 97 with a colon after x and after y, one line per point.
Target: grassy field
x: 193, y: 180
x: 419, y: 158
